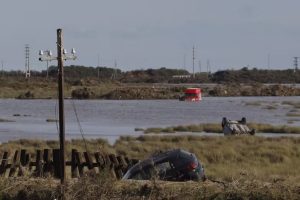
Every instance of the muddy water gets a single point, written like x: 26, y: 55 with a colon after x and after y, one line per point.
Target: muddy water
x: 110, y: 119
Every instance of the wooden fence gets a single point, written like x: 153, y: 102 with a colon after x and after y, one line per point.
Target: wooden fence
x: 47, y: 163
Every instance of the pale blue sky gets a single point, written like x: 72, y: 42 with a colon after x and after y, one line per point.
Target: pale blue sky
x: 154, y: 33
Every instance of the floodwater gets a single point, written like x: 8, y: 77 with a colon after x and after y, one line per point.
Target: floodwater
x: 111, y: 119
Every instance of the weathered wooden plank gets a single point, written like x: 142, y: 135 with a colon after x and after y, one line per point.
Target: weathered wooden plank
x: 117, y: 172
x: 44, y: 163
x: 27, y: 159
x: 100, y: 162
x: 23, y: 157
x: 4, y: 163
x: 38, y: 164
x: 48, y: 164
x: 15, y: 164
x: 80, y: 164
x: 21, y: 171
x: 74, y: 164
x: 128, y: 161
x: 123, y: 165
x: 122, y: 161
x: 56, y: 163
x: 88, y: 160
x: 108, y: 163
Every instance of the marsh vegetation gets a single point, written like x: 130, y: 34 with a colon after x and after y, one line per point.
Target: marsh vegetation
x: 217, y: 128
x: 245, y: 167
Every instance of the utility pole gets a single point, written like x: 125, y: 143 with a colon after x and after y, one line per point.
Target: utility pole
x: 60, y: 63
x: 199, y: 62
x: 2, y: 68
x: 296, y: 63
x: 208, y: 66
x: 184, y: 62
x: 269, y: 60
x: 98, y: 61
x: 114, y: 73
x: 193, y: 61
x: 27, y: 67
x: 61, y: 56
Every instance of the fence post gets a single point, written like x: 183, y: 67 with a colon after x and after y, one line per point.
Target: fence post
x: 4, y: 163
x: 38, y: 163
x: 47, y: 163
x: 56, y: 163
x: 74, y: 164
x: 14, y: 164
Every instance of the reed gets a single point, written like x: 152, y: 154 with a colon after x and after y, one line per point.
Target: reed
x: 217, y: 128
x: 246, y: 168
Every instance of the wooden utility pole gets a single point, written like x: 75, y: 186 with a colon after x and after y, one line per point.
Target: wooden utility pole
x: 61, y: 56
x: 60, y: 61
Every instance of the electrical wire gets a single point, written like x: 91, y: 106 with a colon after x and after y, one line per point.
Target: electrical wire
x: 79, y: 125
x: 56, y: 118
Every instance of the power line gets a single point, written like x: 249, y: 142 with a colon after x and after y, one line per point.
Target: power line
x: 79, y: 125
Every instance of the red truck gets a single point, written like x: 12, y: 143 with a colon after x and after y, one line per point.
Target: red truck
x: 191, y: 94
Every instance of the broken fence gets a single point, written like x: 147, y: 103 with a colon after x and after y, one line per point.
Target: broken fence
x: 47, y: 163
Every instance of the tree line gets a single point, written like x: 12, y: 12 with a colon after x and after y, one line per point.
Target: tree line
x: 165, y: 75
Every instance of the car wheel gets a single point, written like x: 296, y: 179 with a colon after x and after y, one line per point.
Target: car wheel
x: 243, y: 121
x: 224, y: 121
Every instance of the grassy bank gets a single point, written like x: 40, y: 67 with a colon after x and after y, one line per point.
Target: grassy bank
x: 249, y: 167
x: 94, y: 88
x: 99, y: 187
x: 217, y: 128
x: 225, y: 158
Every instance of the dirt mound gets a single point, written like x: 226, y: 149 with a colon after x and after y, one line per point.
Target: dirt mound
x: 254, y: 90
x: 141, y: 93
x: 82, y: 93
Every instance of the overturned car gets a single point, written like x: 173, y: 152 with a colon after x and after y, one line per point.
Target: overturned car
x: 232, y: 127
x: 173, y: 165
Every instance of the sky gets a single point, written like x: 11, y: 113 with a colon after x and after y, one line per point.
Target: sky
x: 141, y: 34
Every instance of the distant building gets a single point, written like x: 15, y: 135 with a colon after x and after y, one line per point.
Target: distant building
x: 181, y: 76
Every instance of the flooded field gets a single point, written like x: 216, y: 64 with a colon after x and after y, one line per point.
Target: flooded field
x: 110, y: 119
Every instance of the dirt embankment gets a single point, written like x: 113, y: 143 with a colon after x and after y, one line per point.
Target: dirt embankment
x: 95, y: 89
x: 254, y: 90
x: 215, y: 90
x: 143, y: 93
x: 124, y: 92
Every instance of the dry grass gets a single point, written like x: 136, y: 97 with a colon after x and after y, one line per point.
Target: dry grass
x: 32, y: 145
x: 250, y: 167
x: 6, y: 120
x: 45, y: 89
x: 267, y: 128
x: 295, y: 104
x: 226, y: 158
x: 293, y: 114
x: 99, y: 187
x: 217, y: 128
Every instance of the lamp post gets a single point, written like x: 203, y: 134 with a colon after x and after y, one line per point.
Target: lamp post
x: 61, y: 56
